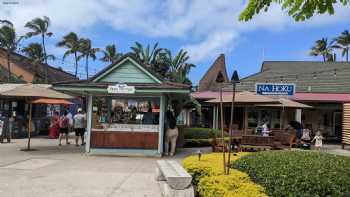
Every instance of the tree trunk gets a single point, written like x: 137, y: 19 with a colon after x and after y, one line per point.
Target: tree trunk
x: 347, y: 54
x: 45, y: 59
x: 8, y: 67
x: 76, y: 64
x: 87, y: 66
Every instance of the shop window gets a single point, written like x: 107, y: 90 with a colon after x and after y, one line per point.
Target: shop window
x: 253, y: 118
x: 109, y: 111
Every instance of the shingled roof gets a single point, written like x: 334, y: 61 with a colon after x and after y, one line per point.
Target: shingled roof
x: 309, y: 76
x: 4, y: 74
x: 208, y: 80
x: 54, y: 74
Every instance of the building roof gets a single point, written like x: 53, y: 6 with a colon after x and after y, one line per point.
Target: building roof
x: 31, y: 90
x: 121, y: 59
x: 4, y: 74
x: 246, y: 98
x: 54, y: 74
x: 94, y: 83
x: 309, y: 76
x: 287, y: 103
x: 208, y: 81
x: 322, y: 97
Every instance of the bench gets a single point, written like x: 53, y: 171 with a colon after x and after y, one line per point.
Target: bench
x: 257, y: 142
x: 174, y: 180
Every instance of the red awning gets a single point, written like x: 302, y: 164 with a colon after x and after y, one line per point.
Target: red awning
x: 52, y: 101
x: 321, y: 97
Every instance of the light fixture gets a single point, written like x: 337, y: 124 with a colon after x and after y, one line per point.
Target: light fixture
x: 199, y: 153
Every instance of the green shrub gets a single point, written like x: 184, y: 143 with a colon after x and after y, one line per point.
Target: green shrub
x: 208, y: 177
x: 199, y: 133
x: 298, y: 173
x: 197, y: 142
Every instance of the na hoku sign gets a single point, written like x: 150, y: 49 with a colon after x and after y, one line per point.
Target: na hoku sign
x: 121, y: 89
x: 284, y: 89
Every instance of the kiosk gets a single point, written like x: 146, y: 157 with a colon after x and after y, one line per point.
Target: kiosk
x: 126, y: 105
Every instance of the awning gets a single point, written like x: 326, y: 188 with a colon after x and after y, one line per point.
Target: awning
x: 31, y: 90
x: 286, y: 103
x: 246, y: 98
x: 52, y: 101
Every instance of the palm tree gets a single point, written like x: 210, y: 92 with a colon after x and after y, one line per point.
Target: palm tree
x: 40, y: 26
x: 110, y: 54
x: 144, y: 54
x: 343, y: 43
x: 324, y: 49
x: 87, y: 51
x: 71, y: 42
x: 156, y: 59
x: 9, y: 41
x: 179, y: 68
x: 34, y: 52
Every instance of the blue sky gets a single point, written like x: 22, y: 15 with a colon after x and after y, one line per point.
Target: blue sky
x: 203, y: 28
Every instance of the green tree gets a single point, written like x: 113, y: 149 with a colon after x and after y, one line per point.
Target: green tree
x: 9, y: 41
x: 35, y: 53
x: 156, y: 59
x: 300, y: 10
x: 72, y: 44
x: 40, y: 26
x: 179, y: 67
x: 342, y: 42
x: 145, y: 54
x: 110, y: 54
x: 87, y: 51
x: 324, y: 49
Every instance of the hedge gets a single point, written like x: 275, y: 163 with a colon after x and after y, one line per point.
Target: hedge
x: 200, y: 133
x: 197, y: 142
x: 298, y: 173
x: 210, y: 182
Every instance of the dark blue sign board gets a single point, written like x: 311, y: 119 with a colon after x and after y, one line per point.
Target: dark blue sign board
x: 284, y: 89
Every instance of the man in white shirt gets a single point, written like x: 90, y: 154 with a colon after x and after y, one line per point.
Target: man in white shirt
x: 79, y: 126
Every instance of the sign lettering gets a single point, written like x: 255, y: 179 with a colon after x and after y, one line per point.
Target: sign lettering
x: 286, y: 89
x: 121, y: 89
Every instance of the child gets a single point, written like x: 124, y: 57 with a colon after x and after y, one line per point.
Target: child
x: 318, y: 140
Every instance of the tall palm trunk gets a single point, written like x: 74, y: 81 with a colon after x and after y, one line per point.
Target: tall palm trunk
x: 87, y: 66
x: 45, y: 59
x: 8, y: 67
x: 76, y: 64
x: 347, y: 54
x: 324, y: 58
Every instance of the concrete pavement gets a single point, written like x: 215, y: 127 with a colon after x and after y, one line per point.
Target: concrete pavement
x: 54, y: 171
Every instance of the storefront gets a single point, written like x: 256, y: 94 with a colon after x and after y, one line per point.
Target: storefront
x: 323, y: 85
x: 126, y: 108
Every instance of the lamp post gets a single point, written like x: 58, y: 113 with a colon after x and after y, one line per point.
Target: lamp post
x: 234, y: 81
x: 220, y: 79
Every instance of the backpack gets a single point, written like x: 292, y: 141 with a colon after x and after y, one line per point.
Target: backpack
x: 64, y: 121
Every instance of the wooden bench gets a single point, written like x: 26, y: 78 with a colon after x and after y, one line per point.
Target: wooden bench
x: 257, y: 142
x: 284, y: 139
x: 174, y: 179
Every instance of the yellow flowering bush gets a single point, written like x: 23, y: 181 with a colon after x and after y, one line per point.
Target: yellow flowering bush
x: 208, y: 177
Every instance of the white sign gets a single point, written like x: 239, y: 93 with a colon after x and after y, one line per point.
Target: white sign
x: 121, y: 89
x: 287, y: 89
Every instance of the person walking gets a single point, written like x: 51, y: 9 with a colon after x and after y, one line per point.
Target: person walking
x: 64, y: 124
x: 171, y: 134
x: 79, y: 126
x: 4, y: 130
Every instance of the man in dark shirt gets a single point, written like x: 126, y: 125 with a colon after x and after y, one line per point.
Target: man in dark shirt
x: 4, y: 131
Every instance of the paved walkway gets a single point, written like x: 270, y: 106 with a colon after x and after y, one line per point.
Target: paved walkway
x: 54, y: 171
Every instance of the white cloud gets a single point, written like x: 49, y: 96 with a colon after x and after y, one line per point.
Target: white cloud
x: 208, y: 27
